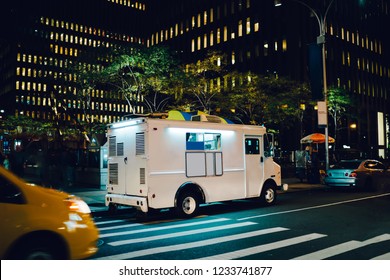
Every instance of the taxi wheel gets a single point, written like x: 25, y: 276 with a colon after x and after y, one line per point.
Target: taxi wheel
x: 39, y: 249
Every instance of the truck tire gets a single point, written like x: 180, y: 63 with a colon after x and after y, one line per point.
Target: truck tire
x: 268, y: 194
x: 187, y: 205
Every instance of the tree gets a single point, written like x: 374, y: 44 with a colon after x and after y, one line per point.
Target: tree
x: 142, y: 75
x: 274, y: 101
x: 284, y: 100
x: 339, y: 102
x: 246, y: 100
x: 162, y: 78
x: 204, y: 81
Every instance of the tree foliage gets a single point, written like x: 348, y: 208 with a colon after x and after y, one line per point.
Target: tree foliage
x: 339, y: 103
x: 203, y: 81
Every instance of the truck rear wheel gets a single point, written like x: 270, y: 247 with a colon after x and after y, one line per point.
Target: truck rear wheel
x: 268, y: 194
x: 187, y: 205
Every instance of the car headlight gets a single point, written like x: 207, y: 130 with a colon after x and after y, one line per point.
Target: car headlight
x: 77, y: 205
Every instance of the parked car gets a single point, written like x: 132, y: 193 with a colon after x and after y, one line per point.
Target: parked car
x: 41, y: 223
x: 367, y: 174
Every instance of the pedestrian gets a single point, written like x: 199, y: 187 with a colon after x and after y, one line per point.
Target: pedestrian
x: 6, y: 162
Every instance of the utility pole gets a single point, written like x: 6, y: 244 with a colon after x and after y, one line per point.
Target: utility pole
x: 321, y: 19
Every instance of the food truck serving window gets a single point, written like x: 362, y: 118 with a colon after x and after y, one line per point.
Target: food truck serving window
x: 203, y: 141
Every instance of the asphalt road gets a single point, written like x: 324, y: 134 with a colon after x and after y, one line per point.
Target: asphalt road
x: 316, y: 224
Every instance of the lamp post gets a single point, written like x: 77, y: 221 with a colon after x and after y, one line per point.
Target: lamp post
x: 321, y: 19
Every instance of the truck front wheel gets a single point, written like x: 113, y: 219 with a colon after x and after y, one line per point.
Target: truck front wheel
x: 187, y: 204
x: 268, y: 194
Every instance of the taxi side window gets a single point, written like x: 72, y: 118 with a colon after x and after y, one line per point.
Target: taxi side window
x: 9, y: 193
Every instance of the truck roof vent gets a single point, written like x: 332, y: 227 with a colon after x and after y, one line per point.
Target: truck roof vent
x: 206, y: 118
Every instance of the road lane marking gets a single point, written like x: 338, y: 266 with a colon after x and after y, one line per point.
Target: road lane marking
x: 179, y: 234
x: 150, y: 229
x: 342, y: 248
x: 266, y: 247
x: 119, y: 227
x: 184, y: 246
x: 109, y: 222
x: 314, y: 207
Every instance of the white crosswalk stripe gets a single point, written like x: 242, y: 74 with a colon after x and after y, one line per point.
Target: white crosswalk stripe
x: 382, y: 257
x: 190, y: 245
x: 161, y: 228
x: 179, y: 234
x: 342, y: 248
x: 263, y: 248
x: 166, y: 235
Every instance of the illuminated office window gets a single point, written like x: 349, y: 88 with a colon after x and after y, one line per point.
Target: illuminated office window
x: 199, y: 43
x: 225, y: 34
x: 211, y: 15
x: 233, y: 57
x: 218, y: 35
x: 23, y: 71
x: 284, y: 45
x: 212, y: 38
x: 239, y: 28
x: 205, y: 18
x: 205, y: 41
x: 248, y: 55
x: 193, y: 22
x: 266, y: 47
x: 248, y: 4
x: 176, y: 29
x: 276, y: 46
x: 248, y: 25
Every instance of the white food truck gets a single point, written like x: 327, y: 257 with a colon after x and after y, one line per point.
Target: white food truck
x: 160, y: 163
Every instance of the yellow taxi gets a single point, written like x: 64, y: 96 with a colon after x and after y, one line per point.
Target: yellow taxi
x: 42, y: 223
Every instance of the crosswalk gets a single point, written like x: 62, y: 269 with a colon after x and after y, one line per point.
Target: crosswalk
x: 209, y: 238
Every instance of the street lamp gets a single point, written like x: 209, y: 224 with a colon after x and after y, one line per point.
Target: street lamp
x: 321, y: 19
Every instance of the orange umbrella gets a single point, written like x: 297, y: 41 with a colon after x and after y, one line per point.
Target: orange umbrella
x: 316, y: 138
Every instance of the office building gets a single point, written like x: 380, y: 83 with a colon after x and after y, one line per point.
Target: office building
x: 264, y: 36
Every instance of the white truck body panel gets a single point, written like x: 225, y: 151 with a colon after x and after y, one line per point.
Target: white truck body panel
x: 149, y: 160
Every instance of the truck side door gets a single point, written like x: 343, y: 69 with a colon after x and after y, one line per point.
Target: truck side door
x: 254, y: 164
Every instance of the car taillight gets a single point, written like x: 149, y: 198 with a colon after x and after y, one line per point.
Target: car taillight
x: 353, y: 174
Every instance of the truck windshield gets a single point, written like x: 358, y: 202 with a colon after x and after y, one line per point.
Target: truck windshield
x: 268, y: 145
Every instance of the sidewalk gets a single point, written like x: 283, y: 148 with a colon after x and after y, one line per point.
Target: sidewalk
x: 95, y: 197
